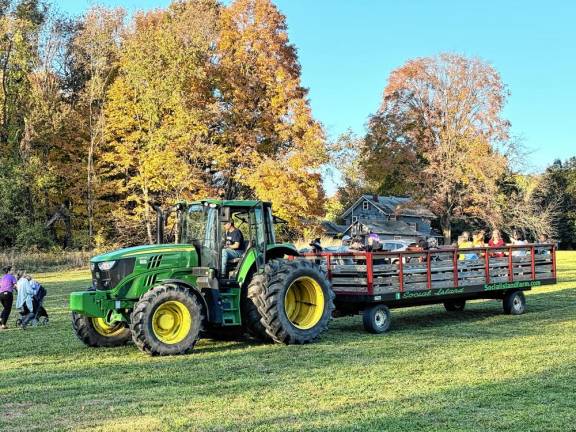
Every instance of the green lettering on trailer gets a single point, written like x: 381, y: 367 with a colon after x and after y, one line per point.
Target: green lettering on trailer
x: 511, y: 285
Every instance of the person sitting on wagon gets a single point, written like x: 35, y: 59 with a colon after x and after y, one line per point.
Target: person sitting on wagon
x: 543, y: 239
x: 517, y: 239
x: 478, y: 239
x: 463, y: 243
x: 357, y: 244
x: 373, y: 242
x: 496, y: 242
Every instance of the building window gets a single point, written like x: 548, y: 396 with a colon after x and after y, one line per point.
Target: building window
x: 365, y: 205
x: 354, y: 219
x: 412, y: 225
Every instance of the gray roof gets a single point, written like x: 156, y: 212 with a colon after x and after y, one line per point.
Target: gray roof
x: 392, y: 205
x: 332, y: 228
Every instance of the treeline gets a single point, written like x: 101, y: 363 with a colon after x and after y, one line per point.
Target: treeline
x: 439, y: 137
x: 103, y: 113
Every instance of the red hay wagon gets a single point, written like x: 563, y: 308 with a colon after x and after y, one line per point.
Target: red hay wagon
x: 372, y: 282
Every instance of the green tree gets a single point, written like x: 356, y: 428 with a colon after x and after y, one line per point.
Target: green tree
x: 558, y: 186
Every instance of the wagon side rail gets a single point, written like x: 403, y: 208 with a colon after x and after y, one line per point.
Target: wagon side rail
x: 447, y: 269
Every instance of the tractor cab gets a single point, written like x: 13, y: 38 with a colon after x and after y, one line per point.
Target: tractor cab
x: 202, y: 224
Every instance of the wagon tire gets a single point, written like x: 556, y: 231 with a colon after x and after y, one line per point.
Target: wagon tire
x: 514, y: 303
x: 376, y: 319
x: 294, y: 300
x: 455, y: 305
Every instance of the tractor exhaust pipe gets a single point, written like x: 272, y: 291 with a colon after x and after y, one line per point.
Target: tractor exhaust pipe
x: 159, y: 223
x: 162, y: 216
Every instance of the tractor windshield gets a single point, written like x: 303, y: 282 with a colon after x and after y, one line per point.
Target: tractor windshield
x: 194, y: 223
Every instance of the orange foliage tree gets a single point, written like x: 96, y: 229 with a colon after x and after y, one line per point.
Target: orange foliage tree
x: 271, y: 143
x: 439, y: 134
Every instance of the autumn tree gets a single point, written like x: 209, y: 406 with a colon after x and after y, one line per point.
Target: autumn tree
x: 94, y: 51
x: 158, y: 113
x: 271, y: 145
x: 439, y: 134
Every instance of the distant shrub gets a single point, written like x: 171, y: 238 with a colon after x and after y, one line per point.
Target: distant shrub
x: 33, y: 237
x: 44, y: 261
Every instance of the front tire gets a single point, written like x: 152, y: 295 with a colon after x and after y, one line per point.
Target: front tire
x: 294, y: 300
x: 97, y: 332
x: 167, y: 320
x: 514, y: 303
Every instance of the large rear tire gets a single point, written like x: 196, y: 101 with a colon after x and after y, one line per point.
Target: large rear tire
x: 97, y: 332
x: 294, y: 300
x: 167, y: 320
x: 251, y: 315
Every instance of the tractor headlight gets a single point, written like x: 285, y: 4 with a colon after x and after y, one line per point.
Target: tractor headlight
x: 106, y: 265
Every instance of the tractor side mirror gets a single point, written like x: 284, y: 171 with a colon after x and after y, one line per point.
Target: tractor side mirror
x: 224, y: 214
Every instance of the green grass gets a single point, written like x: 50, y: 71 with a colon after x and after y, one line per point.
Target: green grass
x: 475, y: 371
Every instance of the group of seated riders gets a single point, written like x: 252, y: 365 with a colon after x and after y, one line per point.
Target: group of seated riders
x: 370, y: 242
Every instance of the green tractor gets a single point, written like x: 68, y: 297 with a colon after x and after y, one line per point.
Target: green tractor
x: 165, y: 297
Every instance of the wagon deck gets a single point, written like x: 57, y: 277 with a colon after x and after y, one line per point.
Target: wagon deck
x: 398, y: 279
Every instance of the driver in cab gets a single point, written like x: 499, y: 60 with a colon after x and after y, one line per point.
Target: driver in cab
x: 234, y: 246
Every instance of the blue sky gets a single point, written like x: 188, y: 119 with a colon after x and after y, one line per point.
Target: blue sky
x: 348, y: 48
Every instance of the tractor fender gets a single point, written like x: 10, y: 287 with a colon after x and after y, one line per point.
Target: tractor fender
x: 278, y: 251
x: 197, y: 293
x: 248, y: 264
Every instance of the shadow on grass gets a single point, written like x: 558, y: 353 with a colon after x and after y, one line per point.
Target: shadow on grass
x: 536, y: 402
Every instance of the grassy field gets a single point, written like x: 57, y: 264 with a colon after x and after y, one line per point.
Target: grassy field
x: 475, y: 371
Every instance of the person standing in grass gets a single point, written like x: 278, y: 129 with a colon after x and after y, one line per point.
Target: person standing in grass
x: 7, y: 284
x: 25, y: 297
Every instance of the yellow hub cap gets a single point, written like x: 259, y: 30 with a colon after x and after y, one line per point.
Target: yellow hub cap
x: 171, y: 322
x: 105, y: 329
x: 304, y: 303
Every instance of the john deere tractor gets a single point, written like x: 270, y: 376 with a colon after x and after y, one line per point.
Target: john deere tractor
x: 165, y: 297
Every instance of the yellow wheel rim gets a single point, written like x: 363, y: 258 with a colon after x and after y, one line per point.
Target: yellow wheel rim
x: 171, y: 322
x: 304, y: 303
x: 105, y: 329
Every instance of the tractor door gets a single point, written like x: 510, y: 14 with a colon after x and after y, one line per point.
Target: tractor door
x: 199, y: 226
x: 258, y: 231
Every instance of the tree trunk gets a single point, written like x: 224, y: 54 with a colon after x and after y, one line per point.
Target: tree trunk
x: 446, y: 226
x: 89, y: 191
